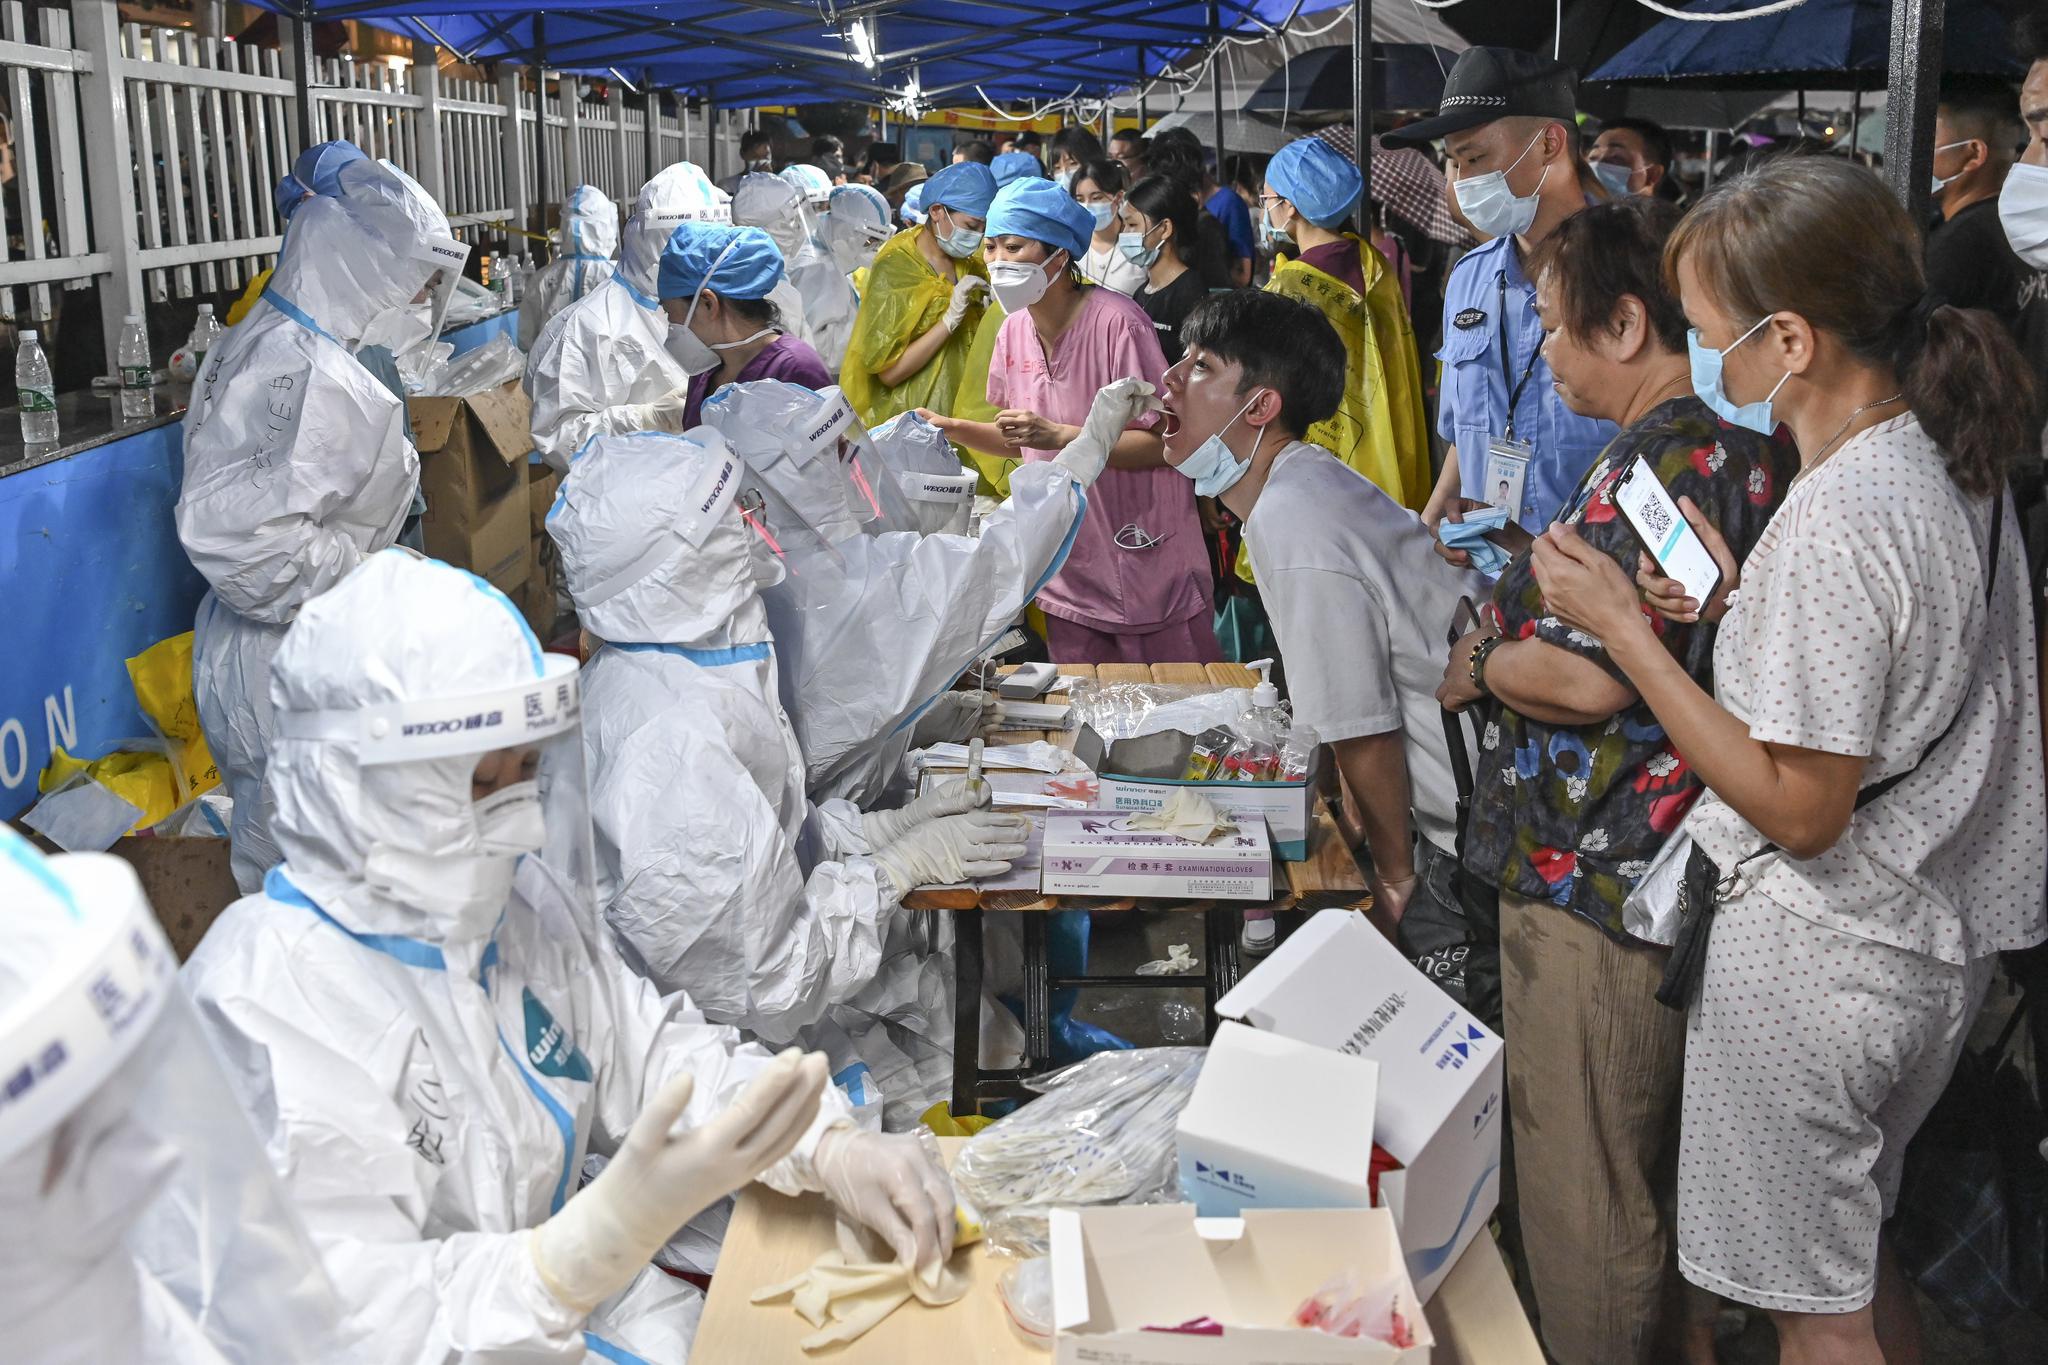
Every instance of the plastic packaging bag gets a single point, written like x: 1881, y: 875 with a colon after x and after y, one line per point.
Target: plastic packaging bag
x: 1132, y: 710
x: 1100, y: 1132
x: 139, y: 771
x: 1179, y: 961
x: 1026, y: 1290
x: 162, y: 677
x: 488, y: 366
x: 1350, y: 1305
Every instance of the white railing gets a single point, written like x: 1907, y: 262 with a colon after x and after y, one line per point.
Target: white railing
x: 145, y: 158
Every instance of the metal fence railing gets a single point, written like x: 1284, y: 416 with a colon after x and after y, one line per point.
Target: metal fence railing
x: 144, y: 158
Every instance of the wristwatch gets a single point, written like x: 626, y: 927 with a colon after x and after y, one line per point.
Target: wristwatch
x: 1476, y: 665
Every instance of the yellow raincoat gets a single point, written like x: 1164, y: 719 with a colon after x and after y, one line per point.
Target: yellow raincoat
x: 905, y: 298
x: 971, y: 402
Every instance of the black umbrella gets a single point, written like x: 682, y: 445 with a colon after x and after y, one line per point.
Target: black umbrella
x: 1404, y: 76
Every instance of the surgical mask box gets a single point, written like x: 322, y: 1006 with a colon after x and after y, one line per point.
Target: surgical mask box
x: 1337, y: 983
x: 1143, y: 774
x: 473, y: 456
x: 1277, y: 1124
x: 1119, y: 1273
x: 1097, y: 853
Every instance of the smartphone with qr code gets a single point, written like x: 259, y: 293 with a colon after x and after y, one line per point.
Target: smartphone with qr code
x: 1665, y: 533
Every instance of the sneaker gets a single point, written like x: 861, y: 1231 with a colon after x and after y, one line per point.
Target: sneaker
x: 1257, y: 937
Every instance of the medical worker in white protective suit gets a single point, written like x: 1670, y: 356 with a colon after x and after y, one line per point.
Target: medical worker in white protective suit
x: 603, y: 363
x: 816, y: 188
x: 829, y: 301
x: 775, y: 206
x: 921, y: 461
x: 583, y: 261
x: 856, y: 227
x: 139, y: 1220
x: 426, y: 1013
x: 298, y: 459
x: 872, y: 635
x: 697, y: 792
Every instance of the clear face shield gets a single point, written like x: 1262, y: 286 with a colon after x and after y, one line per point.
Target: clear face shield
x: 878, y: 500
x: 126, y: 1158
x: 411, y: 330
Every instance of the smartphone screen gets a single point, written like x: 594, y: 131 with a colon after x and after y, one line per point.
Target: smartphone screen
x: 1665, y: 533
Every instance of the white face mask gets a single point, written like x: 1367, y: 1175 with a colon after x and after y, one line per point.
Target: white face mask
x: 509, y: 820
x: 464, y: 890
x: 689, y: 350
x: 1019, y: 284
x: 1490, y: 206
x: 2023, y: 212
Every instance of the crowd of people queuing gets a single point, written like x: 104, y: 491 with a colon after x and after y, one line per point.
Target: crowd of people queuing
x: 1732, y: 875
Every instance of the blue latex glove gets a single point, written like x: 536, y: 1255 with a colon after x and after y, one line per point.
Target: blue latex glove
x: 1470, y: 535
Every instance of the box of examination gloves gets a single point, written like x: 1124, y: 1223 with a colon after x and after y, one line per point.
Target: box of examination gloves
x: 1337, y: 983
x: 473, y: 472
x: 1277, y: 1124
x: 1144, y: 773
x: 1097, y: 853
x: 1152, y: 1284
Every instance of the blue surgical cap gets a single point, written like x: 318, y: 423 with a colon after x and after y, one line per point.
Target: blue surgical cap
x: 732, y: 262
x: 966, y: 188
x: 1044, y: 212
x: 913, y: 203
x: 1016, y: 166
x: 1317, y: 179
x: 316, y: 171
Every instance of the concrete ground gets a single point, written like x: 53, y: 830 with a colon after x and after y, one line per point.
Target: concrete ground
x: 1122, y: 942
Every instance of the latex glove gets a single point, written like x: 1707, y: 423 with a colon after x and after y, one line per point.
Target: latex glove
x: 896, y: 1187
x: 1117, y: 404
x: 663, y: 414
x: 963, y: 299
x: 885, y: 827
x: 954, y: 849
x: 664, y: 1176
x: 955, y: 717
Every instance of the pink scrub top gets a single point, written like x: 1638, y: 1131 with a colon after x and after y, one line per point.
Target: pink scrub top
x: 1104, y: 585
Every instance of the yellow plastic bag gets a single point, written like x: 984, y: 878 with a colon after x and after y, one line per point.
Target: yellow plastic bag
x: 144, y: 780
x: 939, y: 1118
x: 162, y: 675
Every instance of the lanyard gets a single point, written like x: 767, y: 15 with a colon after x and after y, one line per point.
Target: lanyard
x: 1508, y: 381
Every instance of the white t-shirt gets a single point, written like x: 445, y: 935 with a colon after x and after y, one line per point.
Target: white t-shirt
x: 1114, y: 269
x: 1860, y: 628
x: 1362, y: 607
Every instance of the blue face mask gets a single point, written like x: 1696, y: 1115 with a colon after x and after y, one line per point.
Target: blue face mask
x: 1213, y: 468
x: 1103, y: 214
x: 1273, y: 236
x: 1132, y: 245
x: 960, y: 243
x: 1615, y: 176
x: 1706, y: 383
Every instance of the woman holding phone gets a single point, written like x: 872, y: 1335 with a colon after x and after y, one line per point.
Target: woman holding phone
x: 1874, y: 829
x: 1577, y: 787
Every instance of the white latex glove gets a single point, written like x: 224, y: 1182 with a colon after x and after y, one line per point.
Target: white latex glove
x: 955, y: 717
x: 895, y: 1186
x: 663, y: 414
x: 1116, y: 405
x: 963, y: 299
x: 885, y: 827
x: 953, y: 849
x: 664, y: 1176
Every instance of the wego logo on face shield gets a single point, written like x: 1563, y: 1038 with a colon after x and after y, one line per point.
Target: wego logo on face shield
x: 483, y: 720
x: 718, y: 487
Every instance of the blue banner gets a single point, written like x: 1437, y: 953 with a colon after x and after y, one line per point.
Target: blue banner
x: 92, y: 574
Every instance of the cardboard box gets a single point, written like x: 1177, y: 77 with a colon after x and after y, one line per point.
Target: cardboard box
x: 1097, y: 853
x: 542, y: 483
x: 1119, y: 1270
x: 1143, y: 774
x: 1277, y: 1124
x: 473, y: 472
x: 1338, y: 983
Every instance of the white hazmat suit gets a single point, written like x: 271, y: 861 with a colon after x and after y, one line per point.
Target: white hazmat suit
x: 434, y: 1029
x: 602, y: 364
x: 919, y: 457
x: 586, y: 259
x: 775, y: 206
x: 142, y: 1222
x: 298, y: 462
x: 856, y: 227
x: 697, y: 784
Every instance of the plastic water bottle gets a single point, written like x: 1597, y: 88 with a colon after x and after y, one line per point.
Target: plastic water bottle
x: 136, y: 372
x: 205, y: 336
x: 35, y: 391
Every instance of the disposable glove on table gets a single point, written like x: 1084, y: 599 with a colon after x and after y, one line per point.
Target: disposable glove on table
x: 1187, y: 814
x: 663, y: 1177
x: 895, y: 1186
x: 1116, y: 405
x: 957, y: 797
x: 962, y: 300
x: 954, y: 849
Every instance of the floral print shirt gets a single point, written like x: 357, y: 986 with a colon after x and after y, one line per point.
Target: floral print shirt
x: 1574, y: 814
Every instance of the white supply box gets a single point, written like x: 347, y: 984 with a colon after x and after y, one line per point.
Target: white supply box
x: 1119, y: 1270
x: 1288, y: 808
x: 1339, y: 984
x: 1277, y: 1124
x: 1097, y: 853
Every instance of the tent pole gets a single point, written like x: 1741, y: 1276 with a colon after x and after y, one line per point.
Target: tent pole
x: 1216, y: 88
x: 1361, y: 88
x: 711, y: 131
x: 1915, y: 81
x: 652, y: 130
x: 302, y: 79
x: 1141, y: 88
x: 540, y: 117
x: 1855, y: 124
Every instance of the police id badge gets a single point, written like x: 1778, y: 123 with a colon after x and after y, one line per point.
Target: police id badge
x: 1507, y: 470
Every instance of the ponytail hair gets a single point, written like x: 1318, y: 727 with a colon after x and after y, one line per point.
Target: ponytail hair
x: 1823, y: 238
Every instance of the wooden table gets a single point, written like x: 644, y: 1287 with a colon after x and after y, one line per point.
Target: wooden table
x: 1328, y: 878
x: 1475, y: 1315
